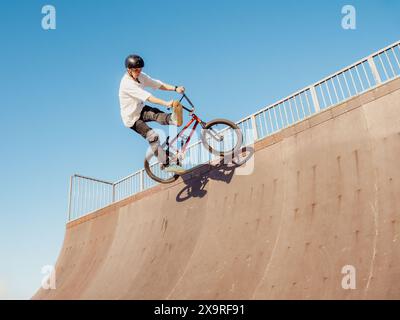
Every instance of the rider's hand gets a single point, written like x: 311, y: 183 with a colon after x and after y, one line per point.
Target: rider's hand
x: 180, y: 89
x: 169, y: 104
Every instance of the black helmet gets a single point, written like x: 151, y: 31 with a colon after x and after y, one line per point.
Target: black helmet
x: 134, y: 61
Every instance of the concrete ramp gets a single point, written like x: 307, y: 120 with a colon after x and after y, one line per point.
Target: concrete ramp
x: 324, y: 194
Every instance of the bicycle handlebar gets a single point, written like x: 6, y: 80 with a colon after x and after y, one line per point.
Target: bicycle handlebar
x: 188, y: 100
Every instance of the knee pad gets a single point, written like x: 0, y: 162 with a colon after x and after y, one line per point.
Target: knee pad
x: 152, y: 136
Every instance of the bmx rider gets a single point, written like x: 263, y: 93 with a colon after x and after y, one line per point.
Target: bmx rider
x: 135, y: 114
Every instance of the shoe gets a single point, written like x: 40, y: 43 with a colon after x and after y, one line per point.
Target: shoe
x: 173, y: 168
x: 177, y: 113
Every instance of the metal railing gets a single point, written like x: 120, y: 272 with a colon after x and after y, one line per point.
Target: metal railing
x: 89, y: 194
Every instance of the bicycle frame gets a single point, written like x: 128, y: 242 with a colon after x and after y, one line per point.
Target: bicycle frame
x: 195, y: 119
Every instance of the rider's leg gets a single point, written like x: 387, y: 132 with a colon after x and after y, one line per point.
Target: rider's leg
x: 152, y: 137
x: 140, y: 126
x: 154, y: 114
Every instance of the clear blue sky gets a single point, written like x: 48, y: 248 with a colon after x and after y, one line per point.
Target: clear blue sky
x: 59, y: 90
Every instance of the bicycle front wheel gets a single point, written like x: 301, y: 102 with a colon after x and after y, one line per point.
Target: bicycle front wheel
x: 222, y: 137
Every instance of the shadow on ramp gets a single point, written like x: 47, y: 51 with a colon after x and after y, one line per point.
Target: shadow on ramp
x: 221, y: 171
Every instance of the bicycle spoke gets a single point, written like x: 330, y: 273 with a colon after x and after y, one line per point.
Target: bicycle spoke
x: 222, y: 137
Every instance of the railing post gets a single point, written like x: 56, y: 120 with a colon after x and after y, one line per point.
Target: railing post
x: 70, y: 198
x: 374, y: 70
x: 141, y: 177
x: 113, y: 192
x: 315, y: 99
x: 254, y: 125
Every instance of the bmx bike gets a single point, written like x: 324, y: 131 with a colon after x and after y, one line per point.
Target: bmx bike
x: 220, y: 137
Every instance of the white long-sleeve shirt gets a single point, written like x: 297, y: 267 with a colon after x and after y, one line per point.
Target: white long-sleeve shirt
x: 132, y: 96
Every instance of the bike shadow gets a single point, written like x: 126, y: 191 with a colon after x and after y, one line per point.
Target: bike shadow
x: 223, y: 170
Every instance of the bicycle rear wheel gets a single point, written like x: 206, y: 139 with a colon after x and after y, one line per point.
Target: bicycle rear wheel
x: 153, y: 168
x: 222, y: 137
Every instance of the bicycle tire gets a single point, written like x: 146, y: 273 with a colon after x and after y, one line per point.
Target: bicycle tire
x: 229, y: 124
x: 155, y: 177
